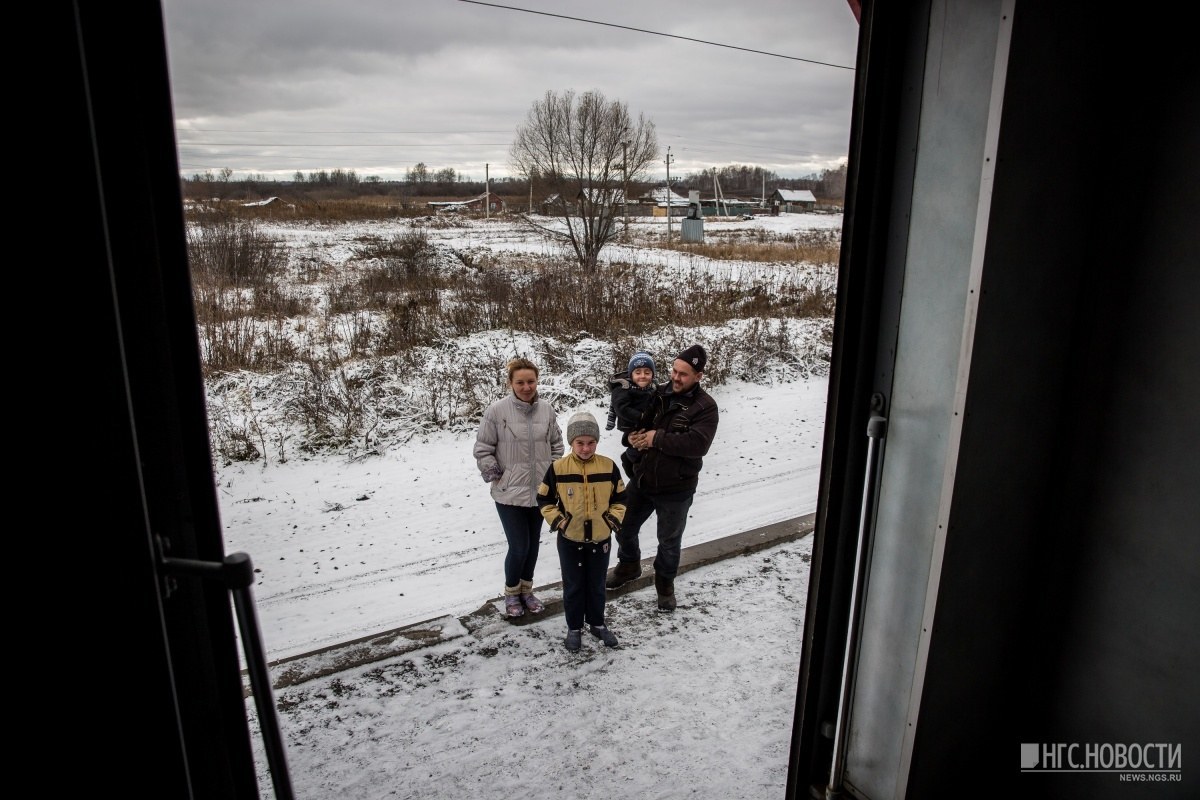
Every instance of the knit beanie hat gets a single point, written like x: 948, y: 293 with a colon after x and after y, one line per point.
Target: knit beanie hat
x: 695, y: 356
x: 582, y: 424
x: 641, y: 359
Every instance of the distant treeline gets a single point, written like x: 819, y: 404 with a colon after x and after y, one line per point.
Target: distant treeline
x: 735, y: 181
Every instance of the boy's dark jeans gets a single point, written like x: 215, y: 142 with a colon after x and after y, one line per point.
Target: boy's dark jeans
x: 672, y: 511
x: 584, y: 566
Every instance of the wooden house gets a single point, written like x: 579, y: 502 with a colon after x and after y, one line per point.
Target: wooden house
x: 793, y: 200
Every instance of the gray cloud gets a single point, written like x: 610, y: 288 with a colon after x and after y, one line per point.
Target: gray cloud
x: 274, y: 86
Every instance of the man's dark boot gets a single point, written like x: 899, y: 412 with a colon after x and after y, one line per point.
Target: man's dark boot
x: 666, y: 593
x: 624, y: 572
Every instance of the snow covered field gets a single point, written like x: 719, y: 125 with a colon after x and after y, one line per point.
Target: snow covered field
x: 348, y: 547
x: 694, y: 704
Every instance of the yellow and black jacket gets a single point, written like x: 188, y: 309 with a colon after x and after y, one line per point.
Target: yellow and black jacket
x: 583, y: 500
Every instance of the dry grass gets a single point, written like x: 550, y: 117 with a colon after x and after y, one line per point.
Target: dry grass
x: 811, y: 247
x: 328, y: 328
x: 311, y: 207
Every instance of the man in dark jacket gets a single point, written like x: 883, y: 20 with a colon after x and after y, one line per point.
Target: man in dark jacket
x: 673, y: 437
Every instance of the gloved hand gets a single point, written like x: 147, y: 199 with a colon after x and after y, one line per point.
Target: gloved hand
x: 492, y: 473
x: 613, y: 523
x: 559, y: 524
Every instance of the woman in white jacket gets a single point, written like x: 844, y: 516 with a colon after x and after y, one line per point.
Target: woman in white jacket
x: 518, y: 440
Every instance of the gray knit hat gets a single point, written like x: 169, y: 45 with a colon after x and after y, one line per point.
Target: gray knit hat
x: 582, y: 424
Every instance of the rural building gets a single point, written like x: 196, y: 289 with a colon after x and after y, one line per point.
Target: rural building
x: 472, y: 204
x: 793, y: 200
x: 721, y: 207
x: 597, y: 197
x: 663, y: 199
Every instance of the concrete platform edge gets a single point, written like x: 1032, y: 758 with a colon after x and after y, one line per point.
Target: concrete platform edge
x: 298, y: 669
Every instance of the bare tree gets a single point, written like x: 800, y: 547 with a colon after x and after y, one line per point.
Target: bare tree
x: 583, y: 151
x: 418, y: 174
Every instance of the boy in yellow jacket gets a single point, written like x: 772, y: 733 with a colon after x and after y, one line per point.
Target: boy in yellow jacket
x: 582, y: 498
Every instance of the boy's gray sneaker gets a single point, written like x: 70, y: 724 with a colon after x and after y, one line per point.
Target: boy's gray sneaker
x: 602, y: 633
x: 574, y: 640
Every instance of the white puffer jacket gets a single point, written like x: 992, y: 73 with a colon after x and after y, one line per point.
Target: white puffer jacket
x: 515, y: 445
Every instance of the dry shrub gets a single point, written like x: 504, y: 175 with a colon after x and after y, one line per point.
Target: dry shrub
x: 407, y: 325
x: 402, y: 308
x: 332, y: 404
x: 810, y: 247
x: 226, y: 251
x: 405, y: 268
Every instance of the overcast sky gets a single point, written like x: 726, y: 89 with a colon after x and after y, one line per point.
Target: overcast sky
x: 271, y: 87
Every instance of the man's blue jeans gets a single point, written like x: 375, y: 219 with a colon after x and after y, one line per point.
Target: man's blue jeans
x: 672, y: 512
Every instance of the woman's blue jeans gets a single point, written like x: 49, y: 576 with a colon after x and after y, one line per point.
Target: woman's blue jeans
x: 523, y: 529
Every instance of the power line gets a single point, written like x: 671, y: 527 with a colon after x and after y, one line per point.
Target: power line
x: 659, y: 33
x: 697, y: 144
x: 291, y: 130
x: 316, y: 144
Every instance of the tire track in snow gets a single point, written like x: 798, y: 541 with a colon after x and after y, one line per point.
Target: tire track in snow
x: 425, y: 566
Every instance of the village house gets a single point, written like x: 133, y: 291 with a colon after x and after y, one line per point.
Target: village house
x: 663, y: 199
x: 474, y: 204
x: 598, y: 197
x: 792, y: 200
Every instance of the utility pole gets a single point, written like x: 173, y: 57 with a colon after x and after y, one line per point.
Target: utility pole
x: 625, y: 182
x: 487, y: 193
x: 669, y: 159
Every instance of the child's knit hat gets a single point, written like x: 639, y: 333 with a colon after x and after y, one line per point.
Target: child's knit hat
x: 582, y: 424
x: 642, y: 359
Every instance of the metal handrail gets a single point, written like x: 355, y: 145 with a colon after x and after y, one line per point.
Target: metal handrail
x: 876, y: 429
x: 237, y: 573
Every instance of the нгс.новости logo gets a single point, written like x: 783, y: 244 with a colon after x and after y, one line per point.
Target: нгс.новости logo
x: 1150, y: 761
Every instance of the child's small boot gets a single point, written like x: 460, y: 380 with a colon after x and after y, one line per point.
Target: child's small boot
x: 602, y: 633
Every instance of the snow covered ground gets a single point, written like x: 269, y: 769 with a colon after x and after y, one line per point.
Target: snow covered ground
x: 693, y: 704
x: 344, y: 549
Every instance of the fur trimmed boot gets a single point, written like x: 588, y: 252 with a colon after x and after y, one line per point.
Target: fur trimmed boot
x: 531, y: 603
x: 666, y: 593
x: 513, y: 607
